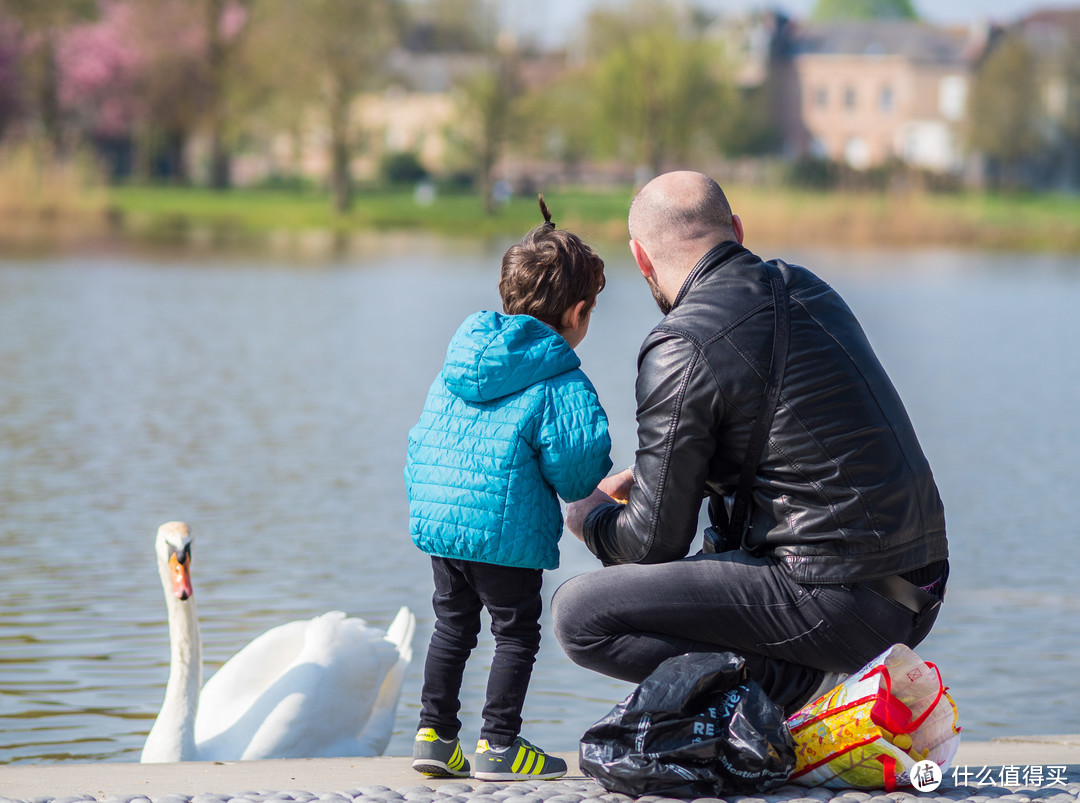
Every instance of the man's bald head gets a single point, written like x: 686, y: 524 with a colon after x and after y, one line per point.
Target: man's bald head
x: 681, y: 215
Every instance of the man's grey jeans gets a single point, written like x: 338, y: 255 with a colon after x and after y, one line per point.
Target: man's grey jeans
x: 623, y: 621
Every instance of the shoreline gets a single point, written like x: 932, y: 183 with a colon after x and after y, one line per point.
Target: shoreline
x: 985, y: 769
x: 264, y: 220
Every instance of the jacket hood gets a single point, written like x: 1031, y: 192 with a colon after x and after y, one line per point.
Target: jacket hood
x: 494, y: 355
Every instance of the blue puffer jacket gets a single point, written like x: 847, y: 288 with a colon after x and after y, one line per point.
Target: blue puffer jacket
x: 509, y: 422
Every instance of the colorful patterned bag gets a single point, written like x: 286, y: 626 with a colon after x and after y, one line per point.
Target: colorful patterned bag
x: 871, y: 730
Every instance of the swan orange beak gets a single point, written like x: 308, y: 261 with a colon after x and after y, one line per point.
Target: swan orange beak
x: 181, y: 577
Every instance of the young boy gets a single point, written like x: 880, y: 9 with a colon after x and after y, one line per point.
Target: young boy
x: 509, y: 423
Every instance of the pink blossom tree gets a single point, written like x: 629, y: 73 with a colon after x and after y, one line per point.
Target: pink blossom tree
x: 100, y: 67
x: 39, y: 25
x: 10, y: 106
x: 156, y: 71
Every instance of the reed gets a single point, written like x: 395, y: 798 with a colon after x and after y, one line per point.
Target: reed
x: 38, y: 187
x: 910, y: 219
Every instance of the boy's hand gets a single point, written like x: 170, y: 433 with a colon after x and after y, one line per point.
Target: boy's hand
x: 618, y: 486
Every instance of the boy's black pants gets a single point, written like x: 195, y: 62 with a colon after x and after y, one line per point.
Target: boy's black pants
x: 512, y: 599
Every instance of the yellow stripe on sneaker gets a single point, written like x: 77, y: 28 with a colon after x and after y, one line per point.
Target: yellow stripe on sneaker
x: 529, y: 761
x: 538, y: 768
x: 522, y: 753
x: 457, y: 760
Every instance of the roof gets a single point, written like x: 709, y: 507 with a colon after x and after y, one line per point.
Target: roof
x: 915, y: 40
x: 1066, y: 20
x: 1052, y: 29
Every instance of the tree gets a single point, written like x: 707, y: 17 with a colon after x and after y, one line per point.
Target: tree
x: 486, y: 101
x: 838, y: 10
x: 224, y: 33
x: 172, y: 84
x: 658, y: 86
x: 748, y: 127
x: 486, y: 95
x: 10, y: 89
x: 1004, y: 110
x: 100, y: 65
x: 41, y: 24
x: 322, y: 54
x: 448, y: 26
x: 1070, y: 115
x: 156, y: 71
x: 553, y: 123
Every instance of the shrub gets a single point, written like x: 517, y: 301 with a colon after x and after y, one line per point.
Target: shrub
x: 402, y: 167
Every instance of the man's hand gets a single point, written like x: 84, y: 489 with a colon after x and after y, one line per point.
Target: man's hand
x: 615, y: 488
x: 618, y: 486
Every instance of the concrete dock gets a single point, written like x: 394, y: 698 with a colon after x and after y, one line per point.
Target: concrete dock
x: 1016, y: 770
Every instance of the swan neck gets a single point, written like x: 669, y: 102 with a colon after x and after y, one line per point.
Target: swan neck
x: 185, y: 671
x: 173, y: 736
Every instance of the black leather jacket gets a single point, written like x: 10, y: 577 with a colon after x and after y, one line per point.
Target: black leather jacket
x: 843, y: 492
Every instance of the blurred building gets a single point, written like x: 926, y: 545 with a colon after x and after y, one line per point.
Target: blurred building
x: 1051, y: 37
x: 864, y: 94
x: 870, y: 92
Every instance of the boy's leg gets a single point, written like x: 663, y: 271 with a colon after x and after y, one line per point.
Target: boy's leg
x: 457, y: 623
x: 512, y: 598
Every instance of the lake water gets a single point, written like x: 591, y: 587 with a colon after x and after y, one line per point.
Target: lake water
x: 267, y: 404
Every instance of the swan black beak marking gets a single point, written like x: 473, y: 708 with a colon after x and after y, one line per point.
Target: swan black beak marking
x: 181, y: 576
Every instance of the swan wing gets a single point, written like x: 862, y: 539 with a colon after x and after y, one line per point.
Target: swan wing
x: 230, y: 693
x: 375, y: 736
x: 321, y: 701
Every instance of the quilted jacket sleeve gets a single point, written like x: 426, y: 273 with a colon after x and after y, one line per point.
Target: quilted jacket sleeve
x: 573, y: 441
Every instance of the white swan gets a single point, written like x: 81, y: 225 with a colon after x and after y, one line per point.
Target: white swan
x: 324, y: 687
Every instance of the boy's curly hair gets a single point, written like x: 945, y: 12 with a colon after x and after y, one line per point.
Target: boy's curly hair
x: 548, y: 272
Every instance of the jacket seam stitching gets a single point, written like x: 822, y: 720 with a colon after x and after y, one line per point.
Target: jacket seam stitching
x: 669, y: 440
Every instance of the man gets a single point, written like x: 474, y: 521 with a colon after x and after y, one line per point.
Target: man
x: 845, y: 553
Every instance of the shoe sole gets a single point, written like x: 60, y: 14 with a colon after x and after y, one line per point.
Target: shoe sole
x: 519, y: 776
x: 436, y: 769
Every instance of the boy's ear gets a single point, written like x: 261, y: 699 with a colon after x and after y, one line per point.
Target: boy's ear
x: 572, y: 317
x: 642, y: 259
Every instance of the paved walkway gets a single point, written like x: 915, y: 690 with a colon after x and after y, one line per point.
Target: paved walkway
x: 1014, y: 771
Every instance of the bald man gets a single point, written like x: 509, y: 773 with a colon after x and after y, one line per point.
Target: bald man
x: 844, y: 552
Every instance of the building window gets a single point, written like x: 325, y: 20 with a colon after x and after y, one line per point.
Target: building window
x: 849, y: 97
x: 885, y: 100
x: 857, y: 153
x: 1056, y: 97
x: 911, y: 146
x: 821, y: 98
x: 952, y: 97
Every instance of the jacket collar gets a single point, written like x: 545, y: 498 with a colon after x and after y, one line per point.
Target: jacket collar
x: 716, y: 257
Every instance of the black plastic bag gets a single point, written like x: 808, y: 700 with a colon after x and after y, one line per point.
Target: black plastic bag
x: 697, y: 726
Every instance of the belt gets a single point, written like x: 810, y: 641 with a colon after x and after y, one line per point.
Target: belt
x: 900, y: 590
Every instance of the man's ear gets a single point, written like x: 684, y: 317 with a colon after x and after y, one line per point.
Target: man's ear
x: 572, y: 317
x: 642, y: 259
x: 736, y: 223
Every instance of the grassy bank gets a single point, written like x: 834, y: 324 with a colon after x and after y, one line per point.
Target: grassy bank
x: 1022, y: 222
x: 148, y: 211
x: 773, y: 217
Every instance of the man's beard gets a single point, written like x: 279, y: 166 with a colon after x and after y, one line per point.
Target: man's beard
x: 661, y: 302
